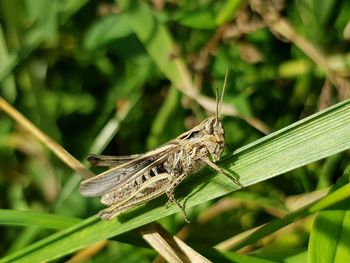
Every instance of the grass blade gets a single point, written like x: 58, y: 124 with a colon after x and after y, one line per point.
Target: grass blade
x: 318, y: 136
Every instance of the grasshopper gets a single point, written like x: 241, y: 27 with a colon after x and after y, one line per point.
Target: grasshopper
x: 136, y: 179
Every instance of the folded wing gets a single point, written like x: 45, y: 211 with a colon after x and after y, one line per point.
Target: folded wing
x: 117, y: 176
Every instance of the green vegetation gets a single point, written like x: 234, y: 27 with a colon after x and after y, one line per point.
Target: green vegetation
x: 124, y: 77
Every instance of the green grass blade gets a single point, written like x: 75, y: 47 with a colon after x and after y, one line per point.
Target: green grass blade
x: 26, y: 218
x: 155, y: 37
x: 313, y: 138
x: 34, y: 36
x: 329, y: 241
x: 330, y: 200
x: 318, y: 136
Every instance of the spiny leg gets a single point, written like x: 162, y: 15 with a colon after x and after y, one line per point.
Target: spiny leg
x: 222, y: 171
x: 170, y: 194
x: 175, y: 182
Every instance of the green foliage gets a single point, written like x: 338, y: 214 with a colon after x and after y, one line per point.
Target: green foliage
x: 118, y: 78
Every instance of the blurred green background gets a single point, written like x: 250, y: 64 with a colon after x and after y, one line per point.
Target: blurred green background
x: 82, y: 72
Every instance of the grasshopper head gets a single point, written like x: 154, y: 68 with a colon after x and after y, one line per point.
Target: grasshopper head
x: 214, y: 127
x: 215, y: 141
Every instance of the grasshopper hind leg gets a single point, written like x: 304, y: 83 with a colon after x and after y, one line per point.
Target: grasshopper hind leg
x: 112, y: 212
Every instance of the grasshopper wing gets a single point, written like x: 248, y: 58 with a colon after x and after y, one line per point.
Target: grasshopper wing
x: 110, y: 161
x: 123, y: 173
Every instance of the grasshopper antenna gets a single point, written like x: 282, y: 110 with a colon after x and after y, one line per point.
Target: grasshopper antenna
x: 219, y: 102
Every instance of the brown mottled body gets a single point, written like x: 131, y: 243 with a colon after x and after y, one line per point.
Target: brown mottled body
x: 136, y: 179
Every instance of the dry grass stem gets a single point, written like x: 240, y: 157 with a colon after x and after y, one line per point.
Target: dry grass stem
x: 170, y: 247
x: 58, y: 150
